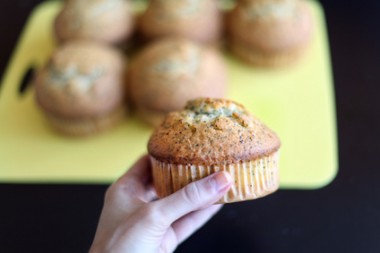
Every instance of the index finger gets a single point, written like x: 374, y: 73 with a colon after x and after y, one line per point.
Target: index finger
x: 140, y: 172
x: 136, y: 183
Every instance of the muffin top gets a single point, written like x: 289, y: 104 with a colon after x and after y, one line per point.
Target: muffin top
x: 199, y: 20
x: 172, y: 71
x: 176, y: 9
x: 266, y: 9
x: 209, y: 132
x: 81, y: 79
x: 108, y: 21
x: 272, y: 25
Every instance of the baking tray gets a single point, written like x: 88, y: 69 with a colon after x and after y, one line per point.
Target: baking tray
x: 296, y: 101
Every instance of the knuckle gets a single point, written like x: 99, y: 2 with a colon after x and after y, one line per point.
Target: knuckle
x: 152, y: 214
x: 192, y: 193
x: 118, y: 189
x: 110, y: 192
x: 113, y: 191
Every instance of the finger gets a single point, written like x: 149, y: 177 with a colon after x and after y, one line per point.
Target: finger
x: 150, y: 194
x: 188, y: 224
x: 194, y: 196
x: 139, y: 172
x: 134, y: 184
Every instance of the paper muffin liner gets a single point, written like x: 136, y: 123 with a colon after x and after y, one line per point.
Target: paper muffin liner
x: 251, y: 179
x: 258, y: 58
x: 87, y: 126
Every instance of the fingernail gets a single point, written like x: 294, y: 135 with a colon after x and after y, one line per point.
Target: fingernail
x: 221, y: 180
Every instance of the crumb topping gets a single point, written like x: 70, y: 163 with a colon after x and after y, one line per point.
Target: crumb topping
x: 266, y: 9
x: 173, y: 9
x: 211, y: 131
x: 105, y: 6
x: 210, y: 111
x: 77, y: 67
x: 182, y: 58
x: 81, y: 11
x: 72, y: 79
x: 81, y: 79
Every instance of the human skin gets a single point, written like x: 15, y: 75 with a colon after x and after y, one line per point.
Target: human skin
x: 133, y: 220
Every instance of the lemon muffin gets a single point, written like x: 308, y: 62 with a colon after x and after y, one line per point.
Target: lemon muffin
x: 106, y: 21
x: 270, y: 32
x: 198, y: 20
x: 81, y: 88
x: 168, y: 73
x: 211, y: 135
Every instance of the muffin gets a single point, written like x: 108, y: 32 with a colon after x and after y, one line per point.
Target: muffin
x: 168, y: 73
x: 270, y: 32
x: 211, y: 135
x: 81, y: 88
x: 198, y: 20
x: 105, y: 21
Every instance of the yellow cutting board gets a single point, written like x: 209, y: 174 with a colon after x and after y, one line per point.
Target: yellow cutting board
x: 296, y: 101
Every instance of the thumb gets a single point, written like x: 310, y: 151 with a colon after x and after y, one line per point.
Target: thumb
x: 195, y: 196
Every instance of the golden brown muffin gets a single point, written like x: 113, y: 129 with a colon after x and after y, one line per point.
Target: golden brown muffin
x: 106, y: 21
x: 198, y: 20
x: 81, y: 88
x: 270, y: 32
x: 211, y: 135
x: 169, y: 72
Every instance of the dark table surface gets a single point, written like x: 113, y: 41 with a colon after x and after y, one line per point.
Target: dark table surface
x: 341, y: 217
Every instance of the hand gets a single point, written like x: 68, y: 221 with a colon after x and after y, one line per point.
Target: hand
x: 132, y: 220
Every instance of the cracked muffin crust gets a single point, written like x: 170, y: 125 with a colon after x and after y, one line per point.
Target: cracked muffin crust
x: 269, y: 32
x: 198, y: 20
x: 81, y: 88
x: 210, y: 135
x: 169, y: 72
x: 106, y: 21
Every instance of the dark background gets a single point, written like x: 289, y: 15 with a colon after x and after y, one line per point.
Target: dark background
x: 342, y: 217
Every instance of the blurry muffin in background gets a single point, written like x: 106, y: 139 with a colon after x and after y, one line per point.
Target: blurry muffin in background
x: 269, y: 32
x: 106, y: 21
x: 211, y: 135
x: 81, y: 88
x: 198, y: 20
x: 169, y: 72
